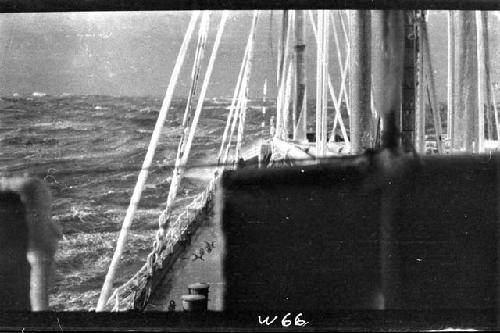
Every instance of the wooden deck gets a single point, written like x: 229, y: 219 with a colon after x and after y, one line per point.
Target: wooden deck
x: 190, y: 269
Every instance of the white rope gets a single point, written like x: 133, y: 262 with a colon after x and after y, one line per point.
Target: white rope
x: 141, y: 180
x: 281, y: 90
x: 344, y: 67
x: 180, y: 163
x: 236, y: 94
x: 174, y: 184
x: 495, y: 108
x: 242, y: 90
x: 286, y: 101
x: 337, y: 102
x: 195, y: 73
x: 346, y: 38
x: 289, y: 75
x: 321, y: 83
x: 338, y: 116
x: 233, y: 127
x: 241, y: 124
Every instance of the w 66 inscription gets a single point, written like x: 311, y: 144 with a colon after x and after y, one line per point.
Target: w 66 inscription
x: 285, y: 321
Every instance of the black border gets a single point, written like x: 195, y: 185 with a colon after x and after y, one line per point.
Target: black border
x: 227, y: 321
x: 364, y: 320
x: 14, y: 6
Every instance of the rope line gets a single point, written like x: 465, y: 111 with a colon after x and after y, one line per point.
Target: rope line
x: 176, y: 173
x: 242, y: 88
x: 337, y: 101
x: 281, y: 87
x: 236, y: 93
x: 141, y: 180
x: 181, y: 162
x: 495, y: 108
x: 244, y: 91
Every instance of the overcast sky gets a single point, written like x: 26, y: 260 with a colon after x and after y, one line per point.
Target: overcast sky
x: 133, y: 53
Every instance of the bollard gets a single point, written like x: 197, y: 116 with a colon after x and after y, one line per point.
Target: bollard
x: 199, y: 289
x: 194, y: 303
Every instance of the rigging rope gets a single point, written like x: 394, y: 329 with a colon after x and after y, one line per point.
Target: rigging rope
x: 141, y: 180
x: 165, y: 215
x: 495, y: 108
x: 200, y: 50
x: 241, y: 124
x: 244, y: 92
x: 337, y: 102
x: 286, y: 100
x: 290, y: 74
x: 237, y: 115
x: 236, y: 94
x: 281, y: 86
x: 176, y: 173
x: 271, y: 47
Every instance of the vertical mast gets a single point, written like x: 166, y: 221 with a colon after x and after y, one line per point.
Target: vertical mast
x: 300, y: 78
x: 281, y: 127
x: 467, y: 80
x: 420, y: 100
x: 451, y: 76
x: 360, y: 81
x: 409, y: 84
x: 388, y: 27
x: 387, y: 71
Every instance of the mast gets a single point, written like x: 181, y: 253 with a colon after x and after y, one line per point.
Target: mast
x: 282, y: 66
x: 387, y: 71
x: 360, y: 81
x: 467, y: 79
x: 388, y: 29
x: 451, y: 75
x: 420, y: 104
x: 409, y: 82
x: 299, y: 105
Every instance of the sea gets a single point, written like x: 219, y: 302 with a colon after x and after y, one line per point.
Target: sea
x: 89, y: 151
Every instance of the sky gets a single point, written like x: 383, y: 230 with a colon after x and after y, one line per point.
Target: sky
x: 133, y: 53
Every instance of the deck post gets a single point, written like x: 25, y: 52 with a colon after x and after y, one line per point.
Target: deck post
x: 360, y: 81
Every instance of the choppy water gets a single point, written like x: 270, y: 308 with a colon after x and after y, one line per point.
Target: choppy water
x: 89, y: 150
